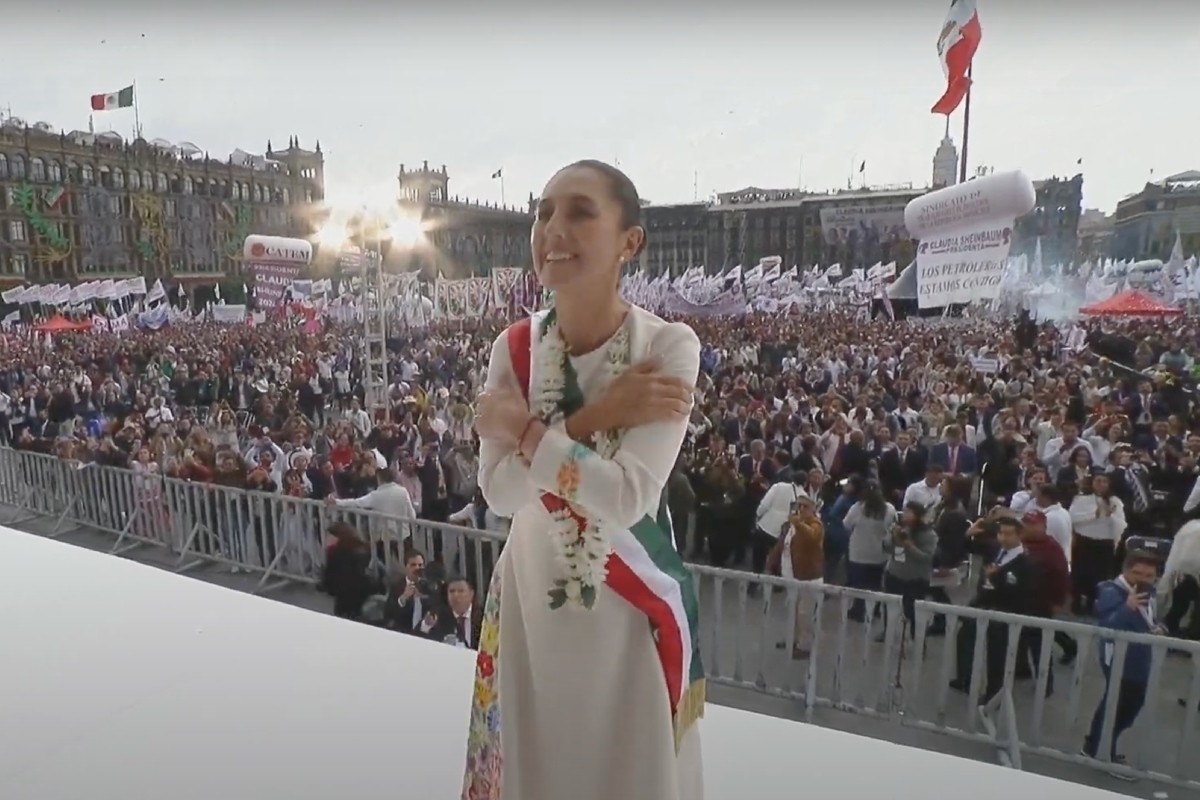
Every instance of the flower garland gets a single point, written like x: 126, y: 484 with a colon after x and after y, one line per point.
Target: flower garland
x: 582, y: 544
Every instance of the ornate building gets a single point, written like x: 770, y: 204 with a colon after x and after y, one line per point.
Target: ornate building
x: 676, y: 237
x: 1095, y: 236
x: 1145, y: 224
x: 463, y: 237
x: 855, y: 228
x: 79, y: 206
x: 1054, y: 220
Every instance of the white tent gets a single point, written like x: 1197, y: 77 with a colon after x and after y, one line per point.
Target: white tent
x: 905, y: 285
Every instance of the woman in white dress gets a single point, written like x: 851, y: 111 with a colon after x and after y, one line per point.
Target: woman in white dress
x: 588, y: 680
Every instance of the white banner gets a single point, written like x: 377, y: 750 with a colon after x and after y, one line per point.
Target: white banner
x: 228, y: 314
x: 866, y: 224
x: 962, y: 267
x: 965, y: 232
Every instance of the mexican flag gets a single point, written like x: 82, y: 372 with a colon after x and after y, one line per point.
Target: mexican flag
x: 956, y: 46
x: 107, y: 102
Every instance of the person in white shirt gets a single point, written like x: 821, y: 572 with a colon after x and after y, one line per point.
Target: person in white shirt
x: 360, y: 419
x: 1180, y: 584
x: 1058, y: 451
x: 774, y: 511
x: 390, y: 501
x: 158, y: 414
x: 459, y: 553
x: 1058, y: 519
x: 1098, y: 520
x: 927, y: 492
x: 1025, y: 500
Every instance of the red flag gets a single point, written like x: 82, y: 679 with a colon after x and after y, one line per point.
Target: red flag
x: 956, y: 47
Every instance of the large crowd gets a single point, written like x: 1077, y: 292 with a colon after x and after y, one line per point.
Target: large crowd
x: 824, y: 447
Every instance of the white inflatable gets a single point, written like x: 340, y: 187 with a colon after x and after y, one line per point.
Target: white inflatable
x: 974, y: 204
x: 965, y: 232
x: 276, y: 250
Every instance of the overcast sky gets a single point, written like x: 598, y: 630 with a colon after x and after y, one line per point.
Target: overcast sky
x: 756, y: 92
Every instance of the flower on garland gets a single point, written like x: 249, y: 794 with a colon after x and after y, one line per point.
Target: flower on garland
x: 582, y: 544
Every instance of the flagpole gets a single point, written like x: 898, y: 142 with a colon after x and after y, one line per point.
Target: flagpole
x: 137, y: 120
x: 502, y: 203
x: 962, y: 169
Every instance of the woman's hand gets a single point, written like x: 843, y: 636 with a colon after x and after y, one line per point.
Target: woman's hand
x: 643, y: 396
x: 501, y: 415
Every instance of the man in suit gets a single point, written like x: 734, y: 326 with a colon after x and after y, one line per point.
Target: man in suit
x: 1144, y: 407
x: 460, y: 622
x: 1007, y: 586
x: 412, y: 604
x: 757, y: 473
x: 901, y: 467
x: 954, y: 456
x: 1124, y: 604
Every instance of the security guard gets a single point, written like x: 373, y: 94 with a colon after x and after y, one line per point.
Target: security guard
x: 1007, y: 586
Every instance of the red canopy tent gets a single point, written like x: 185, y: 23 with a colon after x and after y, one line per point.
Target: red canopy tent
x: 1130, y: 303
x: 59, y: 323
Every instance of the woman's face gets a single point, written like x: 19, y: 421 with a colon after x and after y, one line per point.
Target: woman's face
x: 578, y: 238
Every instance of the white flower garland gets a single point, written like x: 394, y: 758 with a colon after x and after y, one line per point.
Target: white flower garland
x: 582, y: 545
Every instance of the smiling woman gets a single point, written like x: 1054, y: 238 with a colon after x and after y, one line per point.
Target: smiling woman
x: 589, y: 683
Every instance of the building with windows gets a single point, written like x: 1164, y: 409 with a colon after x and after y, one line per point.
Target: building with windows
x: 854, y: 227
x: 676, y: 237
x: 463, y: 237
x: 79, y: 206
x: 1095, y: 236
x: 1146, y: 224
x: 1054, y: 220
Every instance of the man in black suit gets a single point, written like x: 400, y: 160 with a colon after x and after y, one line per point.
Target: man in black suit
x: 1007, y: 586
x: 412, y: 605
x: 459, y: 623
x: 901, y: 467
x: 756, y: 472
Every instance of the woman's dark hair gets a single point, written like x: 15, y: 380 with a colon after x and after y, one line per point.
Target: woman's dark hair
x: 873, y: 504
x: 623, y: 191
x: 959, y: 491
x: 918, y: 509
x: 345, y: 534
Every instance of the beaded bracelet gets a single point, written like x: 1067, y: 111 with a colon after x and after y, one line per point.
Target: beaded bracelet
x: 525, y: 432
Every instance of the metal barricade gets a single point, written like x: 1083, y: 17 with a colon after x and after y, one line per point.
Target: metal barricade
x: 776, y: 637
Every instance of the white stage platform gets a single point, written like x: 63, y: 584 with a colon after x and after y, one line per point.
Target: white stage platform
x: 124, y: 681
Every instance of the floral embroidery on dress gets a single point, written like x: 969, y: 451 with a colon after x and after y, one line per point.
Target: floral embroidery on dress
x: 484, y: 759
x: 566, y: 481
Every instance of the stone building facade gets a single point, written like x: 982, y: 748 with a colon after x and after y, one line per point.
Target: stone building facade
x: 1145, y: 224
x: 81, y: 206
x: 463, y: 237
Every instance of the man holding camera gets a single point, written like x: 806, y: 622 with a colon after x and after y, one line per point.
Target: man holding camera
x: 412, y: 604
x: 1124, y: 604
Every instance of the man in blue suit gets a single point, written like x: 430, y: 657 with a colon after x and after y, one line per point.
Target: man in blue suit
x: 1124, y: 604
x: 954, y: 457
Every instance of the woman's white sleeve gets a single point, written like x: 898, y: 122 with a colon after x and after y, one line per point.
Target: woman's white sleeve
x: 503, y: 476
x: 626, y: 488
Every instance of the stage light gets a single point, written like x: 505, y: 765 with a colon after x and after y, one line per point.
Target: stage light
x: 406, y: 232
x: 332, y: 234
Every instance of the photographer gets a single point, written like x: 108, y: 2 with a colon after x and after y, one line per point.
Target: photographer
x: 1127, y: 603
x: 412, y: 600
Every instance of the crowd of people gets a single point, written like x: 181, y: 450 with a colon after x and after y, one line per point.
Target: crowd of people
x: 824, y: 447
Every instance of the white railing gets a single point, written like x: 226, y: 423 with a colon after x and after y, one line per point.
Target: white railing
x: 873, y: 670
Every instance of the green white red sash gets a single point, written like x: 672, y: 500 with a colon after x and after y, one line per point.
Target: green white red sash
x: 646, y: 571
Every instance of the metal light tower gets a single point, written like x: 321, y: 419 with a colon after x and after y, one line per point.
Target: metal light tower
x: 375, y: 310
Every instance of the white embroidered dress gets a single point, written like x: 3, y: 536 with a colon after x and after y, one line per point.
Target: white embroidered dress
x: 575, y: 704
